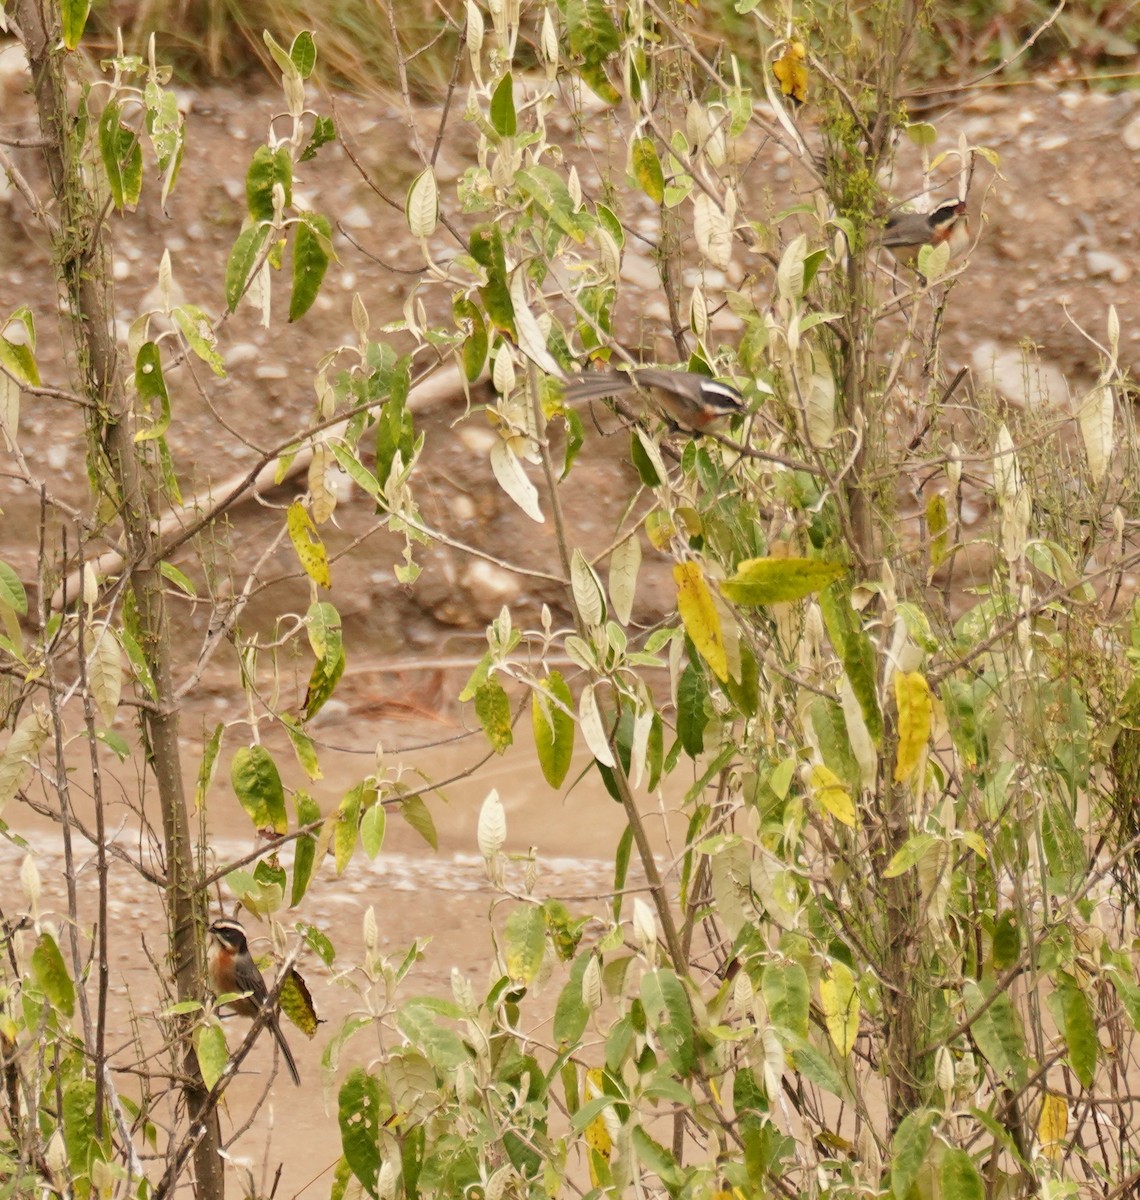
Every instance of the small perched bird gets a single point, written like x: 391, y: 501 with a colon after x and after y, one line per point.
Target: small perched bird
x: 690, y: 401
x: 905, y: 233
x: 232, y: 969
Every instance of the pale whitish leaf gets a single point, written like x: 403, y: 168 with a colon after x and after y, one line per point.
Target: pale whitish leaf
x: 639, y: 746
x: 608, y: 253
x: 594, y: 732
x: 933, y: 261
x: 1113, y: 333
x: 574, y: 187
x: 88, y: 585
x: 698, y: 313
x: 713, y: 234
x: 743, y: 994
x: 624, y: 565
x: 104, y: 671
x: 422, y: 209
x: 944, y: 1070
x: 259, y: 294
x: 589, y: 598
x: 503, y: 370
x: 652, y: 452
x: 497, y: 1184
x: 462, y: 991
x: 31, y: 883
x: 549, y: 38
x: 294, y: 88
x: 858, y: 734
x: 492, y: 828
x: 1007, y: 471
x: 592, y: 984
x: 513, y: 480
x: 369, y: 930
x: 1095, y: 417
x: 165, y: 283
x: 644, y: 925
x: 1015, y: 518
x: 9, y: 409
x: 790, y: 274
x: 532, y: 341
x: 820, y: 404
x: 773, y: 1060
x: 321, y: 489
x: 359, y: 323
x: 474, y: 29
x: 386, y: 1180
x: 20, y: 752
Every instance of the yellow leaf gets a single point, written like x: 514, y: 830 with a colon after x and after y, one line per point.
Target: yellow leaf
x: 791, y: 73
x: 840, y: 1003
x: 702, y: 620
x: 832, y: 796
x: 597, y: 1136
x: 912, y: 695
x: 1052, y: 1125
x: 307, y: 542
x: 937, y: 522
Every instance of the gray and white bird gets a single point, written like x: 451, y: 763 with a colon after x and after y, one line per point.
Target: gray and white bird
x: 905, y: 233
x: 232, y: 969
x: 690, y: 401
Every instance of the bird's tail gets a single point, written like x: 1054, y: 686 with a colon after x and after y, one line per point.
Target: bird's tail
x: 596, y: 384
x: 286, y: 1053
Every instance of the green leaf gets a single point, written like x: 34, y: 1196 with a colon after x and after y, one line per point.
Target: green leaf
x: 787, y: 995
x: 525, y: 936
x: 959, y: 1177
x: 324, y: 131
x: 591, y: 31
x: 198, y: 330
x: 305, y: 853
x: 347, y: 827
x: 1073, y: 1013
x: 571, y: 1015
x: 667, y: 1008
x: 267, y: 168
x: 303, y: 53
x: 779, y: 580
x: 486, y: 246
x: 493, y: 708
x: 325, y: 676
x: 303, y: 747
x: 503, y: 107
x: 692, y: 716
x: 997, y: 1032
x: 79, y: 1126
x: 211, y: 1052
x: 415, y: 812
x: 12, y: 590
x: 312, y: 251
x: 122, y: 157
x: 908, y: 1151
x: 551, y: 711
x: 243, y: 258
x: 50, y: 974
x: 358, y: 1113
x: 470, y: 321
x: 653, y: 1155
x: 257, y: 785
x: 74, y: 15
x: 372, y: 826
